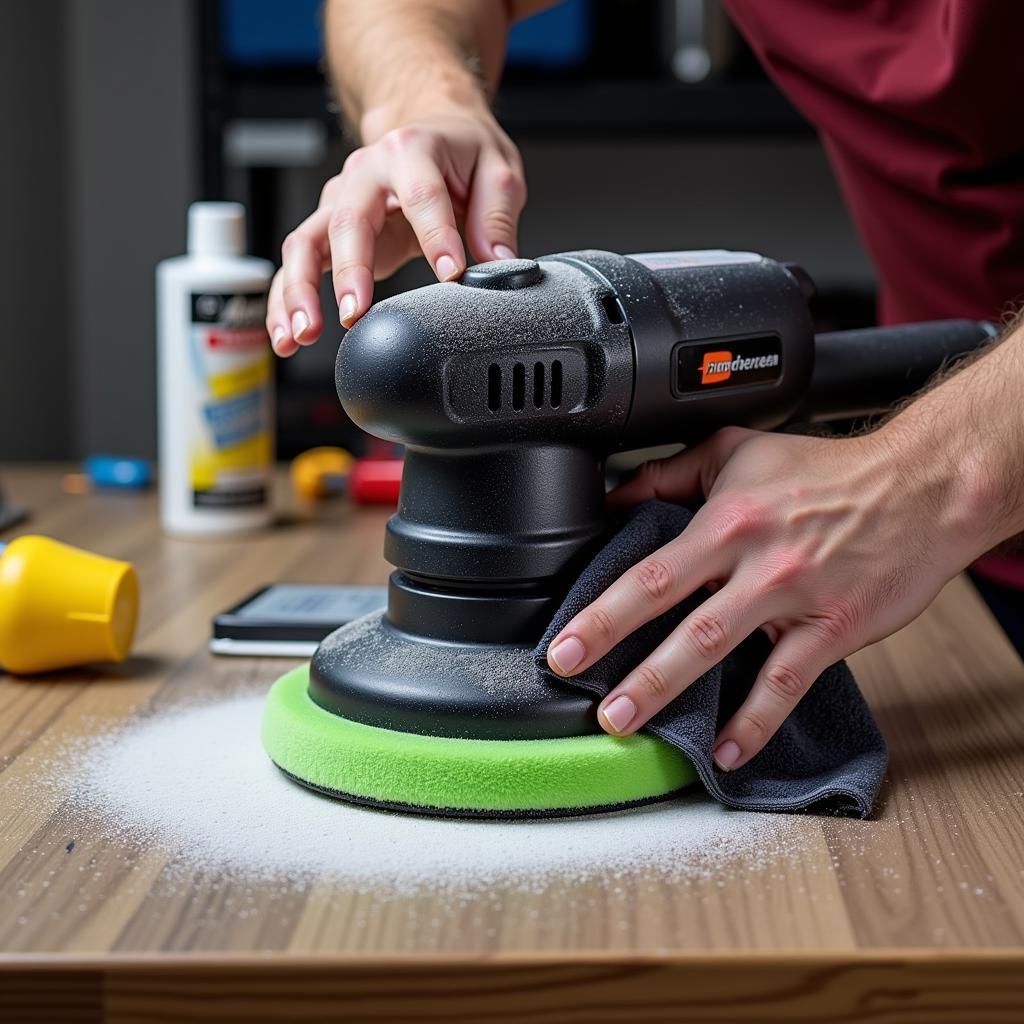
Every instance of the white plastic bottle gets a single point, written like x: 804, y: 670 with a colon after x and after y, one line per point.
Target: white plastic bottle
x: 215, y: 380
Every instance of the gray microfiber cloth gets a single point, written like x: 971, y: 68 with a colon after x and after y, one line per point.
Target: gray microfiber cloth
x: 829, y: 756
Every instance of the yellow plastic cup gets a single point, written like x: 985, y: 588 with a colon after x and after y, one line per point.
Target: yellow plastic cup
x: 62, y: 606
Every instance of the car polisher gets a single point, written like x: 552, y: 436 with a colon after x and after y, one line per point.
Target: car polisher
x: 509, y: 389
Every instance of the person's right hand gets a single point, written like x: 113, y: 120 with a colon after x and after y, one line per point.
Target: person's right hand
x: 409, y: 191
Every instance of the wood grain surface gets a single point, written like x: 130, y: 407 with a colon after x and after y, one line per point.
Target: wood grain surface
x: 914, y: 916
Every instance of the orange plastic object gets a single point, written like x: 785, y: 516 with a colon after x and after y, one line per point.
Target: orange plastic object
x: 320, y: 472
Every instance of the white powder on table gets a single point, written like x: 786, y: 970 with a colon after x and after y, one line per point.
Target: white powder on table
x: 197, y: 782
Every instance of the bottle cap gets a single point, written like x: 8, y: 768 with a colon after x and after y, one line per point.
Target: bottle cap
x: 216, y: 229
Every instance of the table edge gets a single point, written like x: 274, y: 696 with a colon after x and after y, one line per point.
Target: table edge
x: 277, y: 960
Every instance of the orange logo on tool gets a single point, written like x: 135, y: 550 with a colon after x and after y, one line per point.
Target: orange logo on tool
x: 717, y: 366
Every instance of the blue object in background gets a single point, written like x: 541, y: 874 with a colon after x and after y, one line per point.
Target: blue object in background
x: 556, y: 38
x: 113, y: 471
x: 271, y: 33
x: 275, y: 33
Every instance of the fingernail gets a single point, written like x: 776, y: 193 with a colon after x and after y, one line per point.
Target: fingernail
x: 619, y: 713
x: 503, y: 252
x: 727, y: 754
x: 347, y: 309
x: 300, y: 324
x: 275, y: 338
x: 567, y: 654
x: 446, y: 268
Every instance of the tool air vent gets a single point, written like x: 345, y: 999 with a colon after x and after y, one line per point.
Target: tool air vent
x: 539, y: 386
x: 512, y: 386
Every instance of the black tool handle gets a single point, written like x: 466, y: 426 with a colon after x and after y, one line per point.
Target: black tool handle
x: 864, y: 372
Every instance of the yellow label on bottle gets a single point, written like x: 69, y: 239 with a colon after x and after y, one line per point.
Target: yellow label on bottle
x: 232, y: 448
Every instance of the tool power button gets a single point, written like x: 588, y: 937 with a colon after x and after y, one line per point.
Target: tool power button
x: 502, y: 275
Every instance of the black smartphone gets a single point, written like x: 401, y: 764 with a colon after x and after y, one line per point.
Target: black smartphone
x: 288, y: 620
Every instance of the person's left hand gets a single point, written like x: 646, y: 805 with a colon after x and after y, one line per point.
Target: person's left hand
x: 826, y: 544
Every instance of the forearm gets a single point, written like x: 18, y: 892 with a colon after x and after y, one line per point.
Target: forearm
x: 967, y: 433
x: 395, y: 60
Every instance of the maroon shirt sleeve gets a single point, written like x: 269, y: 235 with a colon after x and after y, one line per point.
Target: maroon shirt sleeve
x: 920, y: 105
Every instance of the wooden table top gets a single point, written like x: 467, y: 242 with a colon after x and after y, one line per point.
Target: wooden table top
x: 916, y: 915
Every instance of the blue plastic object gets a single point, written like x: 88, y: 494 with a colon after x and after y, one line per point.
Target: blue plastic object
x: 113, y: 471
x: 275, y: 33
x: 556, y: 38
x: 271, y: 33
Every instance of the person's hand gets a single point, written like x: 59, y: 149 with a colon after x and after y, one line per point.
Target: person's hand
x: 409, y: 191
x: 826, y: 544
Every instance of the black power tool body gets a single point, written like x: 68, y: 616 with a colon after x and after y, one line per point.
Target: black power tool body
x: 509, y: 389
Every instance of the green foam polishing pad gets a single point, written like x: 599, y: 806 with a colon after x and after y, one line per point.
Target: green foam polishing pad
x: 463, y: 777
